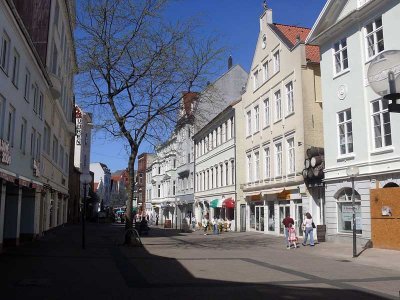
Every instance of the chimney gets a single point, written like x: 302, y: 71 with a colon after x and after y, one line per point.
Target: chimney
x: 230, y: 62
x: 297, y: 39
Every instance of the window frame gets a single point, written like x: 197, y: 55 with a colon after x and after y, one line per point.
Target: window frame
x: 288, y: 155
x: 248, y: 123
x: 382, y: 111
x: 267, y: 161
x: 278, y: 108
x: 344, y: 123
x: 277, y: 62
x: 15, y: 68
x: 374, y: 34
x: 278, y: 157
x: 5, y: 52
x: 340, y: 53
x: 256, y: 118
x: 289, y: 98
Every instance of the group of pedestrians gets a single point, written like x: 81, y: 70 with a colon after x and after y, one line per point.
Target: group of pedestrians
x: 217, y: 225
x: 290, y: 231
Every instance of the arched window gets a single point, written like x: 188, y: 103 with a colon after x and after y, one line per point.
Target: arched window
x: 390, y: 184
x: 345, y: 210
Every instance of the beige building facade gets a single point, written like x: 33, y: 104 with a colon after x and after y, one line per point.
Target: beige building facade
x: 278, y: 119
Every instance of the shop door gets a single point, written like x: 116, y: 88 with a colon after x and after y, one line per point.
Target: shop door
x: 260, y: 218
x: 242, y: 217
x: 298, y: 215
x: 284, y: 210
x: 271, y: 217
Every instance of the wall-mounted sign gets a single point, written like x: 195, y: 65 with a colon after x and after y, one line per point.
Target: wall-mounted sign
x: 5, y: 154
x: 78, y: 131
x: 284, y: 195
x: 36, y: 168
x: 386, y: 211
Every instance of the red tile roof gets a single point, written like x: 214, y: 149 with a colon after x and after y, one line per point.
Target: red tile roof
x: 292, y: 32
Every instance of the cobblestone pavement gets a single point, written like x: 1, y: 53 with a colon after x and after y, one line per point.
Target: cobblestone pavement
x: 174, y: 265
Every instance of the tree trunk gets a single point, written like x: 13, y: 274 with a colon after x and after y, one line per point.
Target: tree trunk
x: 131, y: 190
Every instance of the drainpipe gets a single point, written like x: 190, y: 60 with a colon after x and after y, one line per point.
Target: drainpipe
x: 235, y: 162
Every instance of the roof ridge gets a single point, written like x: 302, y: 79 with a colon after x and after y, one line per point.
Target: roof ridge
x: 293, y: 26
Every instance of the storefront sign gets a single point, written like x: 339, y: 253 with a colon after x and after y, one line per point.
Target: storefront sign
x: 255, y: 197
x: 79, y: 131
x: 284, y: 195
x: 5, y: 154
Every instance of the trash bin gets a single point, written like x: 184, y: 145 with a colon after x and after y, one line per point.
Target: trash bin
x: 321, y: 232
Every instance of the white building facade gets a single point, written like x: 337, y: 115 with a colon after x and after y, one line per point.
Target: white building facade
x: 279, y: 117
x: 359, y: 131
x: 215, y: 168
x: 33, y: 155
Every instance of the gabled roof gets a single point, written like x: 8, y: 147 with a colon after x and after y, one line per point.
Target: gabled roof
x: 292, y: 35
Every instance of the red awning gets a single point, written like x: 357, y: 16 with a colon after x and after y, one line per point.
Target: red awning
x: 228, y: 203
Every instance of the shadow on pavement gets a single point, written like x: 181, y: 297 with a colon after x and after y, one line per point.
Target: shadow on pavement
x: 55, y: 267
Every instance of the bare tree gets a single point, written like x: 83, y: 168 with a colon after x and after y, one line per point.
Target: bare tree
x: 134, y: 67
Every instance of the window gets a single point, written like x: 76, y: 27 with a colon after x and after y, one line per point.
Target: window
x: 265, y: 71
x: 158, y: 191
x: 212, y: 178
x: 223, y: 132
x: 345, y: 132
x: 249, y: 169
x: 381, y: 124
x: 374, y: 38
x: 188, y: 158
x: 340, y: 56
x: 174, y: 163
x: 15, y: 68
x: 173, y: 187
x: 291, y: 160
x: 277, y: 63
x: 226, y: 174
x: 232, y: 172
x: 216, y: 177
x: 248, y: 123
x: 256, y: 166
x: 62, y: 157
x: 266, y: 112
x: 55, y: 149
x: 33, y: 143
x: 27, y: 85
x: 55, y: 59
x: 232, y: 127
x: 11, y: 126
x: 267, y: 166
x: 2, y: 118
x: 222, y: 175
x: 38, y: 145
x: 289, y: 98
x: 345, y: 211
x: 159, y: 170
x: 5, y: 52
x: 66, y: 161
x: 278, y: 106
x: 22, y: 140
x: 278, y: 159
x: 56, y: 14
x: 256, y: 80
x: 35, y: 89
x: 46, y: 139
x: 257, y: 118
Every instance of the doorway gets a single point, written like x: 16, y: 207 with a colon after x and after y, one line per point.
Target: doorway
x: 271, y: 217
x: 284, y: 210
x: 298, y: 217
x: 259, y: 218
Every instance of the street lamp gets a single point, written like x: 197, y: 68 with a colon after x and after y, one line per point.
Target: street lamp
x: 352, y: 172
x: 84, y: 179
x: 384, y: 77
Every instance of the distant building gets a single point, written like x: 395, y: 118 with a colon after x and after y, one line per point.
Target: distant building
x: 119, y: 188
x: 102, y: 183
x: 144, y: 162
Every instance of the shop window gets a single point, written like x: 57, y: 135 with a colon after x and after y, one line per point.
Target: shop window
x: 345, y: 211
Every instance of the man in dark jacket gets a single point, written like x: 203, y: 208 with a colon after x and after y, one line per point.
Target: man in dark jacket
x: 286, y: 221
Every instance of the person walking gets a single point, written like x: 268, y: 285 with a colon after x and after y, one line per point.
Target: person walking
x: 204, y: 223
x: 286, y: 221
x: 193, y: 223
x: 308, y: 226
x: 156, y: 219
x: 292, y: 236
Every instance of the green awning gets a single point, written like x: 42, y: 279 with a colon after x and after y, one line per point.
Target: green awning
x: 216, y: 203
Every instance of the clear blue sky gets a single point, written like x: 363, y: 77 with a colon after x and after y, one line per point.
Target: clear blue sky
x: 237, y: 23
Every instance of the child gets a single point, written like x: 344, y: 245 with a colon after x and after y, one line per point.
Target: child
x: 292, y: 238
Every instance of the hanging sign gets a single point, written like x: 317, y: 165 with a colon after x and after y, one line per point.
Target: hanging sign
x: 78, y: 131
x: 5, y: 154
